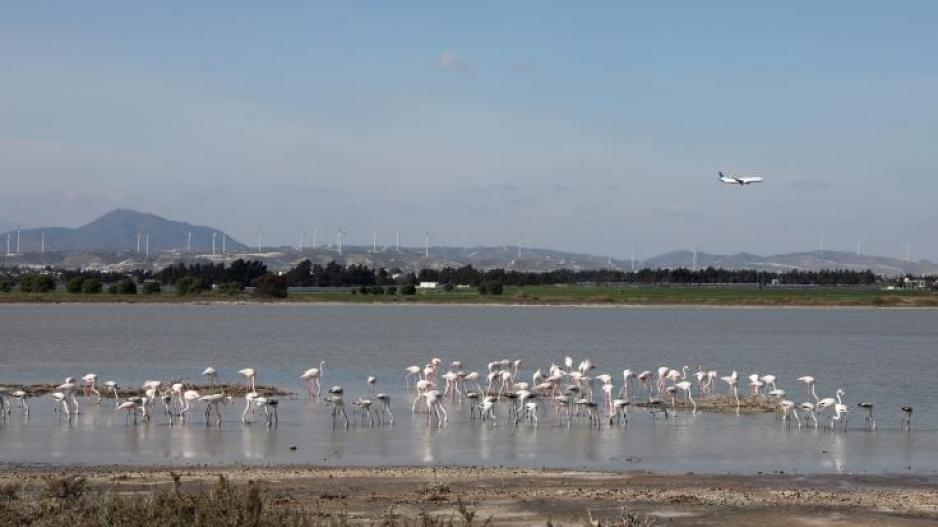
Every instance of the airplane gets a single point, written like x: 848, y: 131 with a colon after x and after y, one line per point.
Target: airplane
x: 736, y: 180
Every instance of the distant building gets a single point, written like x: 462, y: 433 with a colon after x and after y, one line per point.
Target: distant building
x: 427, y: 285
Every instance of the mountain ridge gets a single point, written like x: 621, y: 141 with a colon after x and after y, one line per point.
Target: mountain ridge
x: 110, y: 243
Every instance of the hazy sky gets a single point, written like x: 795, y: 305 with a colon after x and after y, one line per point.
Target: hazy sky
x: 591, y: 127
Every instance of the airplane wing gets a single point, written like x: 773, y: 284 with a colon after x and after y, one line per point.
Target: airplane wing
x: 749, y: 180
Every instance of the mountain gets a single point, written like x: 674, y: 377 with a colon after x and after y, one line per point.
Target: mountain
x: 807, y: 261
x: 117, y: 231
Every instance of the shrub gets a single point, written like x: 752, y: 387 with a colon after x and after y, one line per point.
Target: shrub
x: 74, y: 285
x: 125, y: 287
x: 363, y: 290
x: 151, y: 288
x: 409, y: 290
x: 230, y: 288
x: 6, y: 284
x: 391, y: 290
x: 377, y: 290
x: 491, y: 287
x: 189, y: 285
x: 91, y: 286
x: 270, y: 285
x: 37, y: 283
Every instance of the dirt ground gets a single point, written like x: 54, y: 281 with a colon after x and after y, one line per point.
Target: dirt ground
x: 536, y: 497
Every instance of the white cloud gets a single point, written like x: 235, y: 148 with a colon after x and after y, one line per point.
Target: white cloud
x: 451, y: 61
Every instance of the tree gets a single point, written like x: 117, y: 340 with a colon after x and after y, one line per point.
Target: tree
x: 392, y: 290
x: 91, y: 286
x: 409, y: 289
x: 377, y: 290
x: 270, y: 285
x: 6, y: 284
x: 230, y: 288
x: 126, y: 287
x: 189, y: 285
x: 37, y: 283
x: 74, y: 285
x: 151, y: 288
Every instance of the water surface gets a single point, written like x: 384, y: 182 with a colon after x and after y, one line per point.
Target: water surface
x: 885, y: 356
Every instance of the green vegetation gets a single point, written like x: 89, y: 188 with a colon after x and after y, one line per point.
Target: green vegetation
x: 270, y: 286
x: 125, y: 287
x: 151, y: 288
x: 189, y: 285
x: 91, y: 286
x: 36, y: 283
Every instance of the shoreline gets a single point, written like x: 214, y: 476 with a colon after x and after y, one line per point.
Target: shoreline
x: 531, y: 304
x: 525, y: 496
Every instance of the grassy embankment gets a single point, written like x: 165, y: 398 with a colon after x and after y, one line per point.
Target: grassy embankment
x: 553, y: 295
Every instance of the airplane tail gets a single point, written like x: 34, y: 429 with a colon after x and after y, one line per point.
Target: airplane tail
x: 721, y: 176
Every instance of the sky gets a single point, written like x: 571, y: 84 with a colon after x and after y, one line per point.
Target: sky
x: 597, y: 127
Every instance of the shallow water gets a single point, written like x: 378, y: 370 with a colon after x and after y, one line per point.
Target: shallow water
x: 884, y: 356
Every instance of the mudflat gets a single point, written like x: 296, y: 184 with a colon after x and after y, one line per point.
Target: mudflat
x: 505, y: 496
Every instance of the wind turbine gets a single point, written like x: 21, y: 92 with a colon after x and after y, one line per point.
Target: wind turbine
x: 397, y: 240
x: 520, y: 239
x: 138, y: 243
x: 224, y: 237
x: 42, y: 245
x: 859, y: 246
x: 338, y: 239
x: 694, y: 263
x: 214, y: 234
x: 260, y: 232
x: 17, y: 241
x: 374, y: 242
x: 302, y: 236
x: 189, y: 243
x: 8, y: 245
x: 148, y: 245
x: 315, y: 233
x: 426, y: 245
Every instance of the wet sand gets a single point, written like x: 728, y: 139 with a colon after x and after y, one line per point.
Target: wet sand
x: 534, y: 497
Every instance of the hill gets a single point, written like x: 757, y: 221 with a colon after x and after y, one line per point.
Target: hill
x: 117, y: 232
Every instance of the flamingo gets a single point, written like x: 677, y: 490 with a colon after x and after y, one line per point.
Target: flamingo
x: 211, y: 374
x: 868, y: 421
x: 365, y: 406
x: 686, y: 385
x: 423, y: 386
x: 188, y: 396
x: 90, y: 387
x: 412, y: 372
x: 809, y: 385
x: 313, y: 375
x: 435, y: 407
x: 788, y: 407
x: 248, y: 406
x: 21, y: 395
x: 130, y: 407
x: 111, y: 385
x: 620, y: 411
x: 809, y: 408
x: 61, y: 398
x: 337, y: 402
x: 372, y: 380
x: 249, y: 373
x: 644, y: 378
x: 906, y: 412
x: 213, y: 401
x: 385, y: 400
x: 269, y: 404
x: 68, y: 388
x: 733, y: 381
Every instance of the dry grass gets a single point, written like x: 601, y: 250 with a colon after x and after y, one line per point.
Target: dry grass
x: 66, y: 500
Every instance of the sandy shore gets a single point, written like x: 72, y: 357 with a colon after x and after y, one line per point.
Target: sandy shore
x: 534, y: 497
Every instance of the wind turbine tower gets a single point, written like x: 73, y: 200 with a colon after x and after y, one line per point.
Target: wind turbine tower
x: 426, y: 245
x: 397, y: 240
x: 138, y: 243
x: 694, y: 263
x: 260, y: 232
x: 214, y: 234
x: 8, y: 245
x: 374, y: 242
x: 17, y: 241
x: 42, y: 244
x: 859, y: 247
x: 224, y: 238
x: 315, y: 233
x: 189, y: 242
x: 338, y: 239
x: 148, y: 245
x: 908, y: 251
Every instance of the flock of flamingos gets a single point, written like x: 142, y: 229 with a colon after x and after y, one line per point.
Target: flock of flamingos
x: 567, y: 391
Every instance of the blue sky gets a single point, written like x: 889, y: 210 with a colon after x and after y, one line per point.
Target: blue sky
x: 595, y: 128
